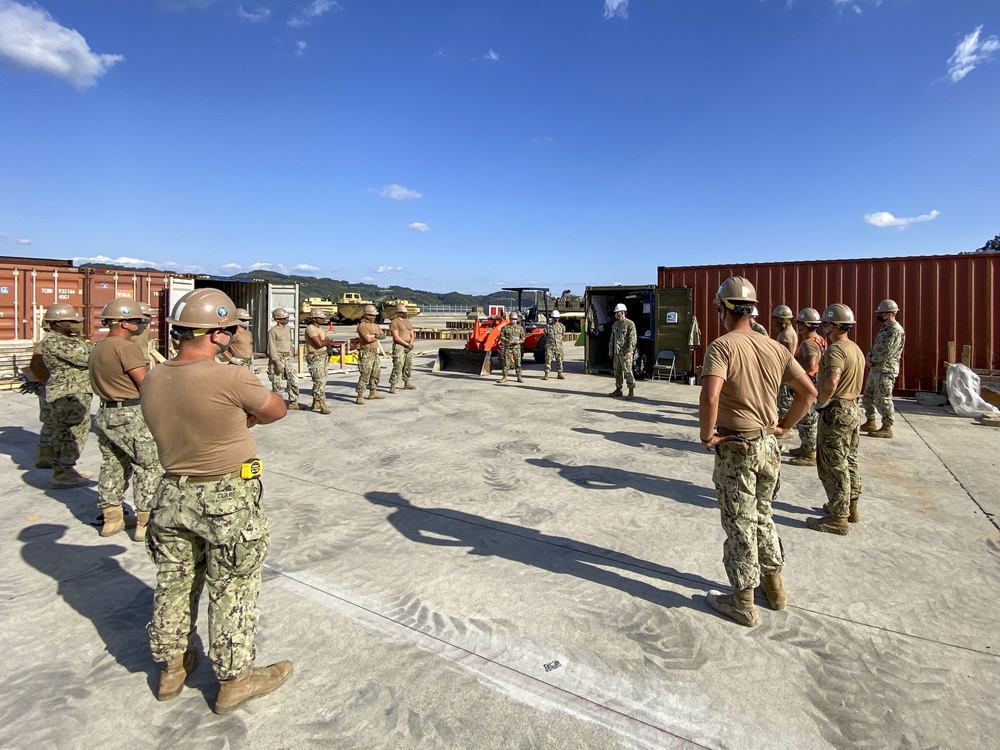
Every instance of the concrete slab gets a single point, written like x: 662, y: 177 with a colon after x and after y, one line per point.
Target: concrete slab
x: 525, y: 566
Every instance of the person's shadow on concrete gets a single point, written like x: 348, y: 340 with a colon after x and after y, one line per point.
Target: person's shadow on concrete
x: 639, y: 439
x: 444, y: 527
x: 22, y: 445
x: 95, y: 585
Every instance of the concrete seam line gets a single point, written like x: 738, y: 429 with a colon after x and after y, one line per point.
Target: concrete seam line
x: 988, y: 516
x: 509, y: 678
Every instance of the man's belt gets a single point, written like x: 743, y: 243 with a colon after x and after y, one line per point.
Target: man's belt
x: 183, y: 479
x: 844, y: 401
x: 747, y: 434
x: 120, y: 404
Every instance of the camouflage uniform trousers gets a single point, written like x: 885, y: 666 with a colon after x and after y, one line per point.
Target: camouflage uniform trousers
x: 319, y: 371
x: 512, y: 358
x: 211, y: 535
x: 45, y: 417
x: 369, y: 370
x: 746, y: 481
x: 785, y: 396
x: 623, y: 370
x: 837, y: 455
x: 807, y: 429
x: 878, y: 396
x: 128, y: 453
x: 282, y: 374
x: 553, y: 353
x: 402, y: 364
x: 70, y: 427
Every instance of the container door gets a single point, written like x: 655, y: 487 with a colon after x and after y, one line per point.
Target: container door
x: 177, y: 288
x: 674, y: 315
x: 286, y: 296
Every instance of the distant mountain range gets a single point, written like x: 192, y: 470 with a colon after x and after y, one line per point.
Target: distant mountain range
x: 311, y: 286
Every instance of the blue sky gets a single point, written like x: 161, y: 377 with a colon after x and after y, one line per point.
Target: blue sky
x: 448, y: 145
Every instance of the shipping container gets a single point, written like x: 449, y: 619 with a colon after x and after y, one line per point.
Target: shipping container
x: 663, y: 320
x: 947, y: 302
x: 27, y: 287
x: 258, y: 297
x: 102, y: 286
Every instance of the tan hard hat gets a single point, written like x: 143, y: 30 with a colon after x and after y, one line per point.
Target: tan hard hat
x: 370, y: 310
x: 242, y: 313
x: 147, y: 310
x: 736, y: 289
x: 279, y: 313
x: 808, y: 315
x: 122, y: 309
x: 782, y: 311
x: 316, y: 312
x: 402, y: 309
x: 838, y: 313
x: 515, y: 315
x: 204, y: 308
x: 887, y: 305
x: 61, y: 311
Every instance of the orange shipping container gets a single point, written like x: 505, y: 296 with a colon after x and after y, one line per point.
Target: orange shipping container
x: 942, y: 299
x: 27, y: 287
x: 102, y: 286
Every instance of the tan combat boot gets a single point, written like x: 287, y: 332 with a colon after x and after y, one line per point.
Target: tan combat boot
x: 631, y: 393
x: 503, y: 379
x: 738, y: 605
x: 293, y: 406
x: 869, y: 426
x: 141, y: 522
x: 254, y: 683
x: 114, y: 521
x: 520, y: 379
x: 884, y: 432
x: 829, y: 524
x: 44, y: 458
x: 374, y: 395
x: 560, y: 376
x: 392, y: 389
x: 797, y: 451
x: 323, y: 408
x: 806, y: 458
x: 66, y: 478
x: 546, y: 375
x: 174, y: 673
x: 408, y: 386
x: 774, y: 590
x: 853, y: 516
x: 616, y: 393
x: 360, y: 399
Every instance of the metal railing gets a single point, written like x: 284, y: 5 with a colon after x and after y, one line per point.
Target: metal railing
x: 444, y: 309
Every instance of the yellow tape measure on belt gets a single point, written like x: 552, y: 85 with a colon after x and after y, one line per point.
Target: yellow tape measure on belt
x: 252, y: 469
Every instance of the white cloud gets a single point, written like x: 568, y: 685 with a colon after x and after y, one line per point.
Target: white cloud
x: 119, y: 261
x: 491, y: 56
x: 300, y: 48
x: 367, y: 279
x: 311, y: 12
x: 31, y: 38
x: 884, y: 219
x: 400, y: 193
x: 301, y: 268
x: 25, y: 242
x: 388, y: 269
x: 305, y: 268
x: 4, y: 236
x: 418, y: 226
x: 253, y: 16
x: 613, y: 8
x: 971, y: 52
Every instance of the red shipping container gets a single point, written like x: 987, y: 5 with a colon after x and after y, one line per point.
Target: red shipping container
x: 102, y: 286
x: 27, y: 287
x: 942, y: 299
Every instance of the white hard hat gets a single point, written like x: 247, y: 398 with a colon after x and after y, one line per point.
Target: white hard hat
x: 555, y: 314
x: 620, y: 308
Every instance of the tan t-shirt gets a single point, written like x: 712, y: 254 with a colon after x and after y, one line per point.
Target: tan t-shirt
x: 242, y: 346
x: 788, y: 338
x: 370, y: 328
x: 402, y: 327
x: 810, y: 349
x: 279, y: 342
x: 846, y: 355
x: 753, y: 367
x: 197, y: 412
x: 314, y: 330
x: 109, y: 364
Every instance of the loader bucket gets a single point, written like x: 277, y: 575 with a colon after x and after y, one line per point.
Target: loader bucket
x: 471, y: 361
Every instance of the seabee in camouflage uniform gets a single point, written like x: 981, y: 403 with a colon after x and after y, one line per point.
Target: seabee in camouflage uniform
x: 128, y: 453
x: 554, y: 346
x: 68, y: 394
x: 511, y: 340
x: 837, y: 455
x: 884, y: 356
x: 624, y: 339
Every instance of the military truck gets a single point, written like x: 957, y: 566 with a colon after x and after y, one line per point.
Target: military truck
x: 664, y: 321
